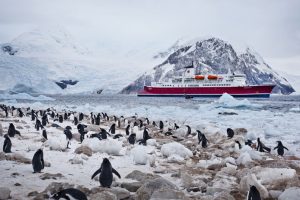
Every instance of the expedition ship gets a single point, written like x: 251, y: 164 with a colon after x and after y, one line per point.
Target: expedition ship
x: 206, y: 85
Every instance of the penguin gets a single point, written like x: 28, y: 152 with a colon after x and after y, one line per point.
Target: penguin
x: 7, y: 144
x: 261, y: 147
x: 249, y: 143
x: 104, y: 134
x: 11, y: 130
x: 69, y: 193
x: 106, y: 173
x: 45, y: 120
x: 240, y: 146
x: 141, y: 123
x: 38, y: 161
x: 68, y: 134
x: 65, y: 116
x: 189, y: 130
x: 80, y: 116
x: 60, y: 119
x: 153, y: 123
x: 253, y: 194
x: 52, y: 115
x: 21, y: 114
x: 38, y: 124
x: 202, y: 138
x: 112, y: 129
x: 176, y: 126
x: 117, y: 136
x: 4, y: 108
x: 230, y: 133
x: 45, y: 134
x: 161, y: 125
x: 75, y: 121
x: 127, y: 129
x: 147, y: 121
x: 145, y: 137
x: 280, y: 148
x: 82, y: 132
x: 33, y: 116
x: 131, y: 138
x: 97, y: 119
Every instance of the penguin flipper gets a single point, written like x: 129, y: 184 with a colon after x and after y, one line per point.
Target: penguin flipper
x: 116, y: 173
x: 285, y: 148
x: 96, y: 172
x: 276, y: 148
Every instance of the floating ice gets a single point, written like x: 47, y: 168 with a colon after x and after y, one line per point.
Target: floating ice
x: 25, y: 96
x: 228, y: 101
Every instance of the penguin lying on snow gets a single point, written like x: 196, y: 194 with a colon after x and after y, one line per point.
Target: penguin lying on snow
x: 280, y: 148
x: 261, y: 147
x: 70, y: 193
x: 106, y: 173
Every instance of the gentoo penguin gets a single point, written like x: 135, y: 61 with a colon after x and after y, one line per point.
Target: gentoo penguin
x: 141, y: 123
x: 153, y: 123
x: 261, y: 147
x: 230, y: 133
x: 253, y: 194
x: 202, y: 139
x: 44, y: 134
x: 280, y: 148
x: 11, y: 130
x: 106, y: 173
x: 104, y: 133
x: 38, y: 124
x: 52, y: 115
x: 189, y: 130
x: 176, y: 126
x: 112, y: 129
x: 60, y: 119
x: 45, y: 120
x: 7, y: 144
x: 75, y: 121
x: 38, y: 161
x: 161, y: 125
x: 127, y: 129
x: 97, y: 119
x: 131, y: 138
x: 33, y: 115
x: 21, y: 114
x: 69, y: 194
x: 68, y: 134
x: 65, y: 116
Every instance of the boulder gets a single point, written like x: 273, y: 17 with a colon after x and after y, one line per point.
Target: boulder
x: 84, y: 150
x: 131, y: 187
x: 290, y: 193
x: 147, y: 189
x: 104, y: 195
x: 4, y: 193
x: 167, y: 194
x: 51, y: 176
x: 140, y: 176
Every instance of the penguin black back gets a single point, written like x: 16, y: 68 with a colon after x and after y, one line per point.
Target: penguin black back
x: 131, y: 138
x: 230, y: 133
x: 11, y: 130
x: 70, y: 193
x: 106, y: 173
x: 38, y: 161
x: 253, y: 194
x: 280, y: 148
x: 7, y: 144
x: 127, y: 129
x: 112, y: 129
x: 45, y: 134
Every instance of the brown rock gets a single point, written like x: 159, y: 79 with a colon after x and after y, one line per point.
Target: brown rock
x: 85, y: 150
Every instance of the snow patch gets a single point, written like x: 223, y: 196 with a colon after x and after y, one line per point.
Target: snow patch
x: 177, y: 149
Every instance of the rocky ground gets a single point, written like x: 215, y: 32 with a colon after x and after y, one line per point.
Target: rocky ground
x: 168, y: 167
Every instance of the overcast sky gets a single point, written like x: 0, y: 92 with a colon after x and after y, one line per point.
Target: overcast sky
x: 271, y: 27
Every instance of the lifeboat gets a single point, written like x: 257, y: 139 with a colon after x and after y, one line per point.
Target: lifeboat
x: 199, y: 77
x: 212, y: 77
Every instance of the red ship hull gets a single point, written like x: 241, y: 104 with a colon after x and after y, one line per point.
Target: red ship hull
x: 237, y: 91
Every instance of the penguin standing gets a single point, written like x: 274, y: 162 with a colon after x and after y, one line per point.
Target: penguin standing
x: 11, y: 130
x: 131, y: 138
x: 112, y: 129
x: 52, y: 115
x: 230, y: 133
x: 75, y: 121
x: 68, y: 134
x: 261, y: 147
x: 145, y: 137
x: 70, y: 193
x: 202, y: 139
x: 127, y: 129
x: 80, y: 116
x: 176, y: 126
x: 189, y: 130
x: 21, y: 114
x: 45, y: 120
x: 38, y: 161
x: 65, y: 116
x: 97, y: 119
x: 33, y: 115
x: 7, y: 144
x: 80, y: 128
x: 104, y: 134
x: 106, y: 173
x: 60, y: 119
x: 280, y: 148
x: 44, y: 134
x: 253, y: 194
x: 38, y: 124
x: 161, y: 125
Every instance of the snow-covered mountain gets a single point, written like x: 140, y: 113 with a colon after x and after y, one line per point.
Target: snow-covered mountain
x: 50, y: 61
x: 212, y: 55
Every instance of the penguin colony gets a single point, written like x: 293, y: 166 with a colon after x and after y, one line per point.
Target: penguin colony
x: 119, y: 127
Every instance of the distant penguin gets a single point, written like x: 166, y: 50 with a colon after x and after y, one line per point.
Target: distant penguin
x: 131, y: 138
x: 145, y: 137
x: 80, y: 116
x: 52, y: 115
x: 161, y: 125
x: 75, y: 121
x: 106, y: 173
x: 240, y: 146
x: 11, y: 130
x: 176, y: 126
x: 38, y: 161
x: 202, y: 139
x: 230, y: 133
x: 45, y: 134
x: 253, y: 194
x: 141, y: 123
x: 21, y: 114
x: 68, y: 134
x: 249, y: 143
x: 112, y: 129
x: 60, y: 119
x: 38, y: 124
x: 33, y: 115
x: 7, y: 144
x: 280, y: 148
x: 261, y: 147
x: 153, y: 123
x: 189, y: 130
x: 69, y: 194
x: 117, y: 136
x: 45, y: 120
x: 147, y: 121
x: 65, y: 116
x: 127, y: 129
x: 97, y: 119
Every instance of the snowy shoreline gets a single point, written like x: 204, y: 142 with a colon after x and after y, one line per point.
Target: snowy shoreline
x: 220, y: 170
